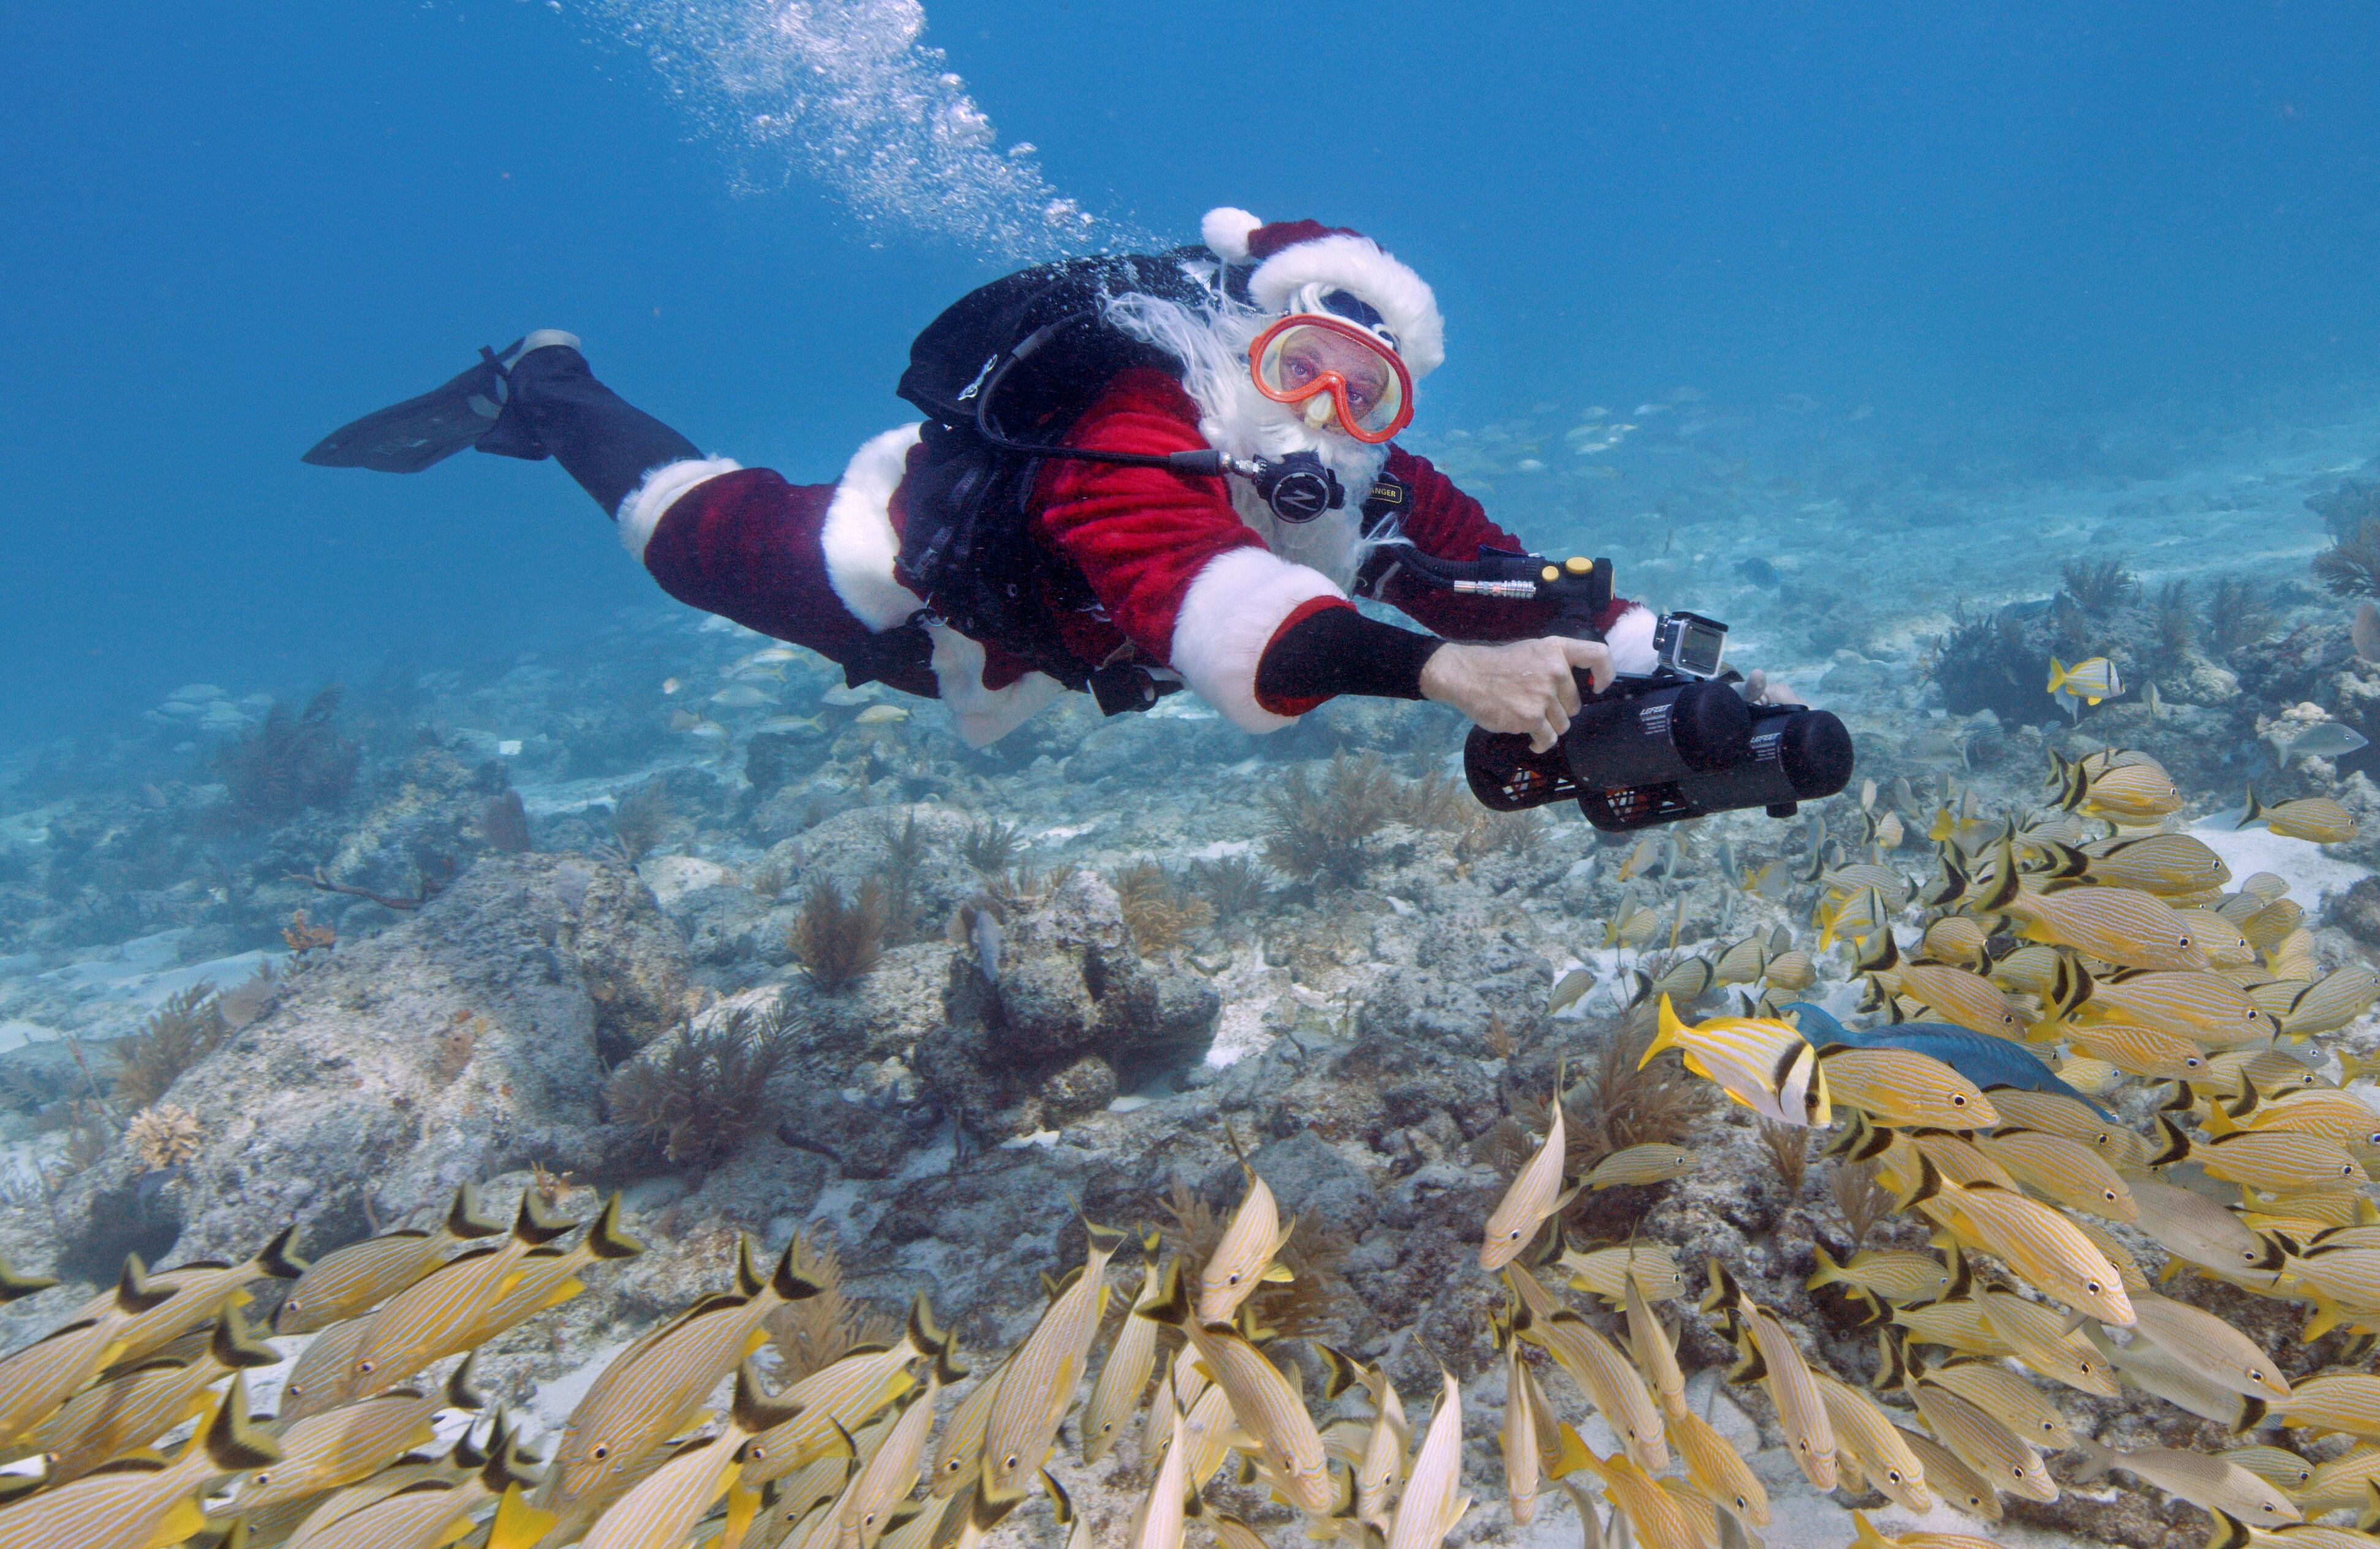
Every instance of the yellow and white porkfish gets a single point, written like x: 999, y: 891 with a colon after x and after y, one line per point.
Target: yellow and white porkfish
x: 1765, y: 1064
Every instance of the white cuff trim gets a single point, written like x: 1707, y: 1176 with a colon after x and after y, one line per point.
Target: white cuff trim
x: 651, y: 501
x: 984, y: 715
x: 1228, y: 616
x: 1630, y: 640
x: 858, y: 536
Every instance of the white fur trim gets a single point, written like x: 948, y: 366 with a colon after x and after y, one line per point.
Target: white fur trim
x: 1226, y: 232
x: 1402, y: 297
x: 858, y: 536
x: 1228, y: 616
x: 651, y: 501
x: 984, y: 715
x: 1630, y: 640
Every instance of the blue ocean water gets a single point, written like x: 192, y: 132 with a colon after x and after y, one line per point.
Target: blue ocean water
x: 231, y: 227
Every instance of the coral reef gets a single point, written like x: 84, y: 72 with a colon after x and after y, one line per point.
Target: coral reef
x: 2350, y: 567
x: 186, y: 1030
x: 1321, y: 828
x: 288, y: 764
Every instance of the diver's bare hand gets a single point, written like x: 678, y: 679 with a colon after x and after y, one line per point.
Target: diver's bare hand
x: 1523, y: 687
x: 1757, y: 690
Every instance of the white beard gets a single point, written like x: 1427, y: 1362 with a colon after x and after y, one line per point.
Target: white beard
x: 1241, y: 422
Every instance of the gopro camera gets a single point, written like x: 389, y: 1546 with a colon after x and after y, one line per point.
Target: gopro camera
x: 1689, y: 644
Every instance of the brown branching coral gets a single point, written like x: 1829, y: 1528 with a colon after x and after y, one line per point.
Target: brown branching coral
x: 990, y: 845
x: 1235, y: 887
x: 813, y: 1334
x: 504, y: 824
x: 835, y: 940
x: 1789, y: 1148
x: 705, y: 1091
x: 184, y: 1031
x: 163, y: 1136
x: 1302, y: 1307
x: 1620, y: 1104
x: 1500, y: 833
x: 1160, y: 909
x: 906, y: 848
x: 1322, y: 829
x: 2350, y: 567
x: 1859, y: 1198
x: 2238, y: 614
x: 2177, y: 626
x: 1436, y: 801
x: 288, y: 764
x: 2098, y: 585
x: 639, y: 820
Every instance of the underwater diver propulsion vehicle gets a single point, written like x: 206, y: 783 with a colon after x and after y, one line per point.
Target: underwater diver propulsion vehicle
x: 1676, y: 743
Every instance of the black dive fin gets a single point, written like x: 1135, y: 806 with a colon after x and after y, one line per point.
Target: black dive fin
x: 407, y: 437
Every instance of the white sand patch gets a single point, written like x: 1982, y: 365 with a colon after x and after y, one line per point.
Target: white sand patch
x: 2312, y: 874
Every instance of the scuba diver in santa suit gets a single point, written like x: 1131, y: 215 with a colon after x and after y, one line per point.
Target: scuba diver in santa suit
x: 1288, y: 346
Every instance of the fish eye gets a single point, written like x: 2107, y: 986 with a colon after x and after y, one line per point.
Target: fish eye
x: 1013, y: 1460
x: 1232, y: 1279
x: 1958, y: 1101
x: 601, y: 1452
x: 2108, y: 1195
x: 2092, y: 1285
x: 260, y: 1480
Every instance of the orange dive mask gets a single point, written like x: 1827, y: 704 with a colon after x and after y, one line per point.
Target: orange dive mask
x: 1339, y: 371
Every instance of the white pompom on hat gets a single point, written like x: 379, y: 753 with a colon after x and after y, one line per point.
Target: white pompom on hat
x: 1291, y: 254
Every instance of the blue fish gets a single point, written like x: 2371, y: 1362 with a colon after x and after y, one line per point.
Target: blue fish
x: 1989, y: 1062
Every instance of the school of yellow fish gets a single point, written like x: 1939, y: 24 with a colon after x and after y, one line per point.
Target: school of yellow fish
x: 2084, y: 933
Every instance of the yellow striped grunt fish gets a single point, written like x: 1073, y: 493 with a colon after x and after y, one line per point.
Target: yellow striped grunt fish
x: 1261, y: 1400
x: 142, y: 1507
x: 351, y: 1443
x: 1533, y: 1194
x: 136, y: 1407
x: 1656, y: 1162
x: 2317, y: 819
x: 1433, y: 1501
x: 661, y: 1510
x: 1039, y: 1386
x: 353, y: 1280
x: 1901, y: 1087
x: 2112, y: 923
x: 1871, y: 1440
x: 1602, y: 1374
x: 2061, y: 1169
x: 1244, y: 1256
x: 1124, y: 1375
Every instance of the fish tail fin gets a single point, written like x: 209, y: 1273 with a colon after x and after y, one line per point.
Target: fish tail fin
x: 1891, y: 1362
x: 1725, y: 1294
x: 2368, y: 1518
x: 2253, y: 811
x: 2327, y: 1314
x: 233, y: 1442
x: 1569, y: 1454
x: 534, y: 1223
x: 2096, y: 1461
x: 2230, y: 1532
x: 2007, y: 884
x: 928, y: 1337
x: 1339, y: 1372
x: 463, y: 1221
x: 1666, y: 1032
x: 1171, y: 1305
x: 1108, y: 1241
x: 518, y: 1524
x: 280, y: 1261
x: 462, y: 1386
x: 607, y: 1238
x: 1962, y: 1280
x: 1928, y: 1184
x: 787, y: 1282
x: 2060, y: 674
x: 134, y: 1293
x: 235, y: 1345
x: 14, y: 1284
x: 749, y: 1280
x: 1828, y: 1272
x: 2252, y: 1412
x: 2177, y: 1145
x: 1864, y: 1533
x: 754, y: 1410
x: 1883, y: 957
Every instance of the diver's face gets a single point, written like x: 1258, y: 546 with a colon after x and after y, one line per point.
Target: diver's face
x: 1310, y: 353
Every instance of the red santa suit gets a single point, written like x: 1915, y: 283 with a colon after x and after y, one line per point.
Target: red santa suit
x: 1179, y: 575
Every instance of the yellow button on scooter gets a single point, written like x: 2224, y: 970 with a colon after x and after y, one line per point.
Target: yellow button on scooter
x: 1576, y: 566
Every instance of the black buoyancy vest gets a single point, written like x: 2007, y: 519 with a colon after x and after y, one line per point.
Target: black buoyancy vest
x: 1041, y: 338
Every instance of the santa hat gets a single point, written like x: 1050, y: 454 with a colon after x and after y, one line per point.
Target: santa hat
x: 1292, y: 254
